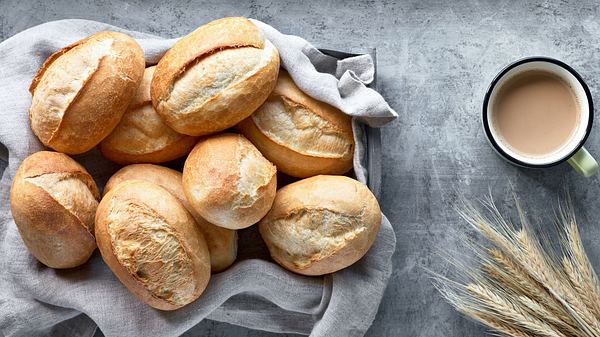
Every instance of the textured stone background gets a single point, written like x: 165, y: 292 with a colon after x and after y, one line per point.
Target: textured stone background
x: 435, y: 62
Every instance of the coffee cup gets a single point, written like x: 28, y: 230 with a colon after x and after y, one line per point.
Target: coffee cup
x: 537, y: 113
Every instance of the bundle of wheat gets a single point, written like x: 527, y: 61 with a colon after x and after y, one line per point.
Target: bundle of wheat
x: 521, y: 287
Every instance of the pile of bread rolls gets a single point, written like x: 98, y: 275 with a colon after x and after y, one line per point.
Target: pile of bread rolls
x: 219, y: 97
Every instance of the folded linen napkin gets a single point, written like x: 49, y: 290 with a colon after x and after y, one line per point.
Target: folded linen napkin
x: 254, y: 292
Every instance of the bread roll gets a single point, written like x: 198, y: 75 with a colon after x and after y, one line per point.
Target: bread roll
x: 320, y: 225
x: 81, y: 92
x: 303, y: 137
x: 214, y: 77
x: 152, y: 244
x: 222, y: 242
x: 53, y: 201
x: 141, y: 136
x: 228, y: 182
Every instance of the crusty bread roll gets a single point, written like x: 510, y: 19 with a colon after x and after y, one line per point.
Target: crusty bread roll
x: 303, y: 137
x: 320, y: 225
x: 152, y: 244
x: 222, y: 242
x: 141, y: 136
x: 214, y: 77
x: 228, y: 182
x: 81, y: 92
x: 53, y: 201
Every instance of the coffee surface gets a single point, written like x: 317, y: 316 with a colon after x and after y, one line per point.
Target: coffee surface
x: 536, y: 113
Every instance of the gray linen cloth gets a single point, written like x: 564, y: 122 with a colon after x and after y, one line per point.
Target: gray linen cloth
x: 254, y: 292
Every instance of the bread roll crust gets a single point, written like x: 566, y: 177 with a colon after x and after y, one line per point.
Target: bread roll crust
x: 81, y: 92
x: 214, y: 77
x: 152, y: 244
x: 222, y: 242
x: 228, y: 181
x: 321, y: 224
x: 303, y: 137
x: 141, y: 136
x: 53, y: 201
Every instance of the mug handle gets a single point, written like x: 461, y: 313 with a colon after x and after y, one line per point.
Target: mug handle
x: 583, y: 163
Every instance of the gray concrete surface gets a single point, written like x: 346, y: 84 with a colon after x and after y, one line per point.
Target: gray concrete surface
x: 435, y: 62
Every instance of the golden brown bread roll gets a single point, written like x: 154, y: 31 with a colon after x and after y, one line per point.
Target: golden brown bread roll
x: 152, y: 244
x: 53, y: 201
x: 222, y: 242
x: 81, y: 92
x: 228, y: 182
x: 320, y: 225
x: 303, y: 137
x: 214, y: 77
x: 141, y: 136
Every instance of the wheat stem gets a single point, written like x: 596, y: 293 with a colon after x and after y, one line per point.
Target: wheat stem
x: 520, y: 287
x: 510, y: 311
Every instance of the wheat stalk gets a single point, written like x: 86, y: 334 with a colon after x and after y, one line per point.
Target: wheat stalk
x: 515, y: 276
x: 482, y: 308
x: 579, y: 270
x: 561, y: 322
x: 521, y: 288
x: 520, y: 246
x: 529, y: 292
x: 510, y: 311
x: 500, y: 326
x: 548, y: 274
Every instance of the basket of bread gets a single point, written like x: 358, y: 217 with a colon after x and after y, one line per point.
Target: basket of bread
x: 214, y: 139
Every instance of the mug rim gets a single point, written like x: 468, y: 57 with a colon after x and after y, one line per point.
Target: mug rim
x: 495, y: 81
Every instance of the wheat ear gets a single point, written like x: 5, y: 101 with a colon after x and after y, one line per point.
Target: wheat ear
x: 521, y: 288
x: 579, y: 270
x: 561, y: 288
x: 502, y: 327
x: 511, y: 276
x: 510, y: 311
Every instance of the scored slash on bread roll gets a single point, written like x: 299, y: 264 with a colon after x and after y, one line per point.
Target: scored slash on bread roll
x: 81, y: 92
x: 228, y: 181
x: 152, y: 244
x: 141, y: 136
x: 214, y: 77
x: 222, y: 242
x: 321, y: 224
x: 53, y: 201
x: 303, y: 137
